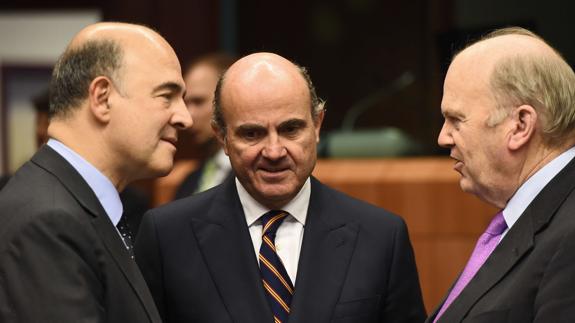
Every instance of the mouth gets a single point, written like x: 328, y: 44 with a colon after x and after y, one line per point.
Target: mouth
x: 171, y: 140
x: 273, y: 173
x: 458, y: 164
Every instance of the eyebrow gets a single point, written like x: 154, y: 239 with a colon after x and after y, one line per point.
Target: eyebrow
x: 250, y: 126
x: 293, y: 123
x: 452, y: 114
x: 172, y: 86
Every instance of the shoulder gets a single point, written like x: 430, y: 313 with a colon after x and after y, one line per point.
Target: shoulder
x: 33, y: 190
x: 186, y: 208
x: 36, y: 204
x: 54, y: 230
x: 190, y: 183
x: 351, y: 209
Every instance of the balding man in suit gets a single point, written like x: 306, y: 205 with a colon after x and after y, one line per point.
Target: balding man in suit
x: 274, y: 244
x: 65, y: 251
x: 509, y: 108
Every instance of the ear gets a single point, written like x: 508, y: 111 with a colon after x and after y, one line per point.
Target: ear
x: 317, y: 124
x: 220, y: 136
x: 99, y: 95
x: 524, y: 125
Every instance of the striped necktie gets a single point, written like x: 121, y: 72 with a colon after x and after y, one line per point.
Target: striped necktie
x: 277, y: 284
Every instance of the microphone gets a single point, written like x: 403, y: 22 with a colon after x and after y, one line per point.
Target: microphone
x: 367, y: 143
x: 359, y: 108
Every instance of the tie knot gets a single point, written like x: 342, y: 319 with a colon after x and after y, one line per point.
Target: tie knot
x: 497, y: 225
x: 272, y: 220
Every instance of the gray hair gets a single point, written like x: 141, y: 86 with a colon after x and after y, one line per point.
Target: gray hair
x: 545, y: 82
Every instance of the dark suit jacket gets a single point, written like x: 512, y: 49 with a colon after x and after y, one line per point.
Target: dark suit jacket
x: 191, y: 183
x: 135, y: 203
x: 530, y: 276
x: 61, y: 258
x: 356, y: 262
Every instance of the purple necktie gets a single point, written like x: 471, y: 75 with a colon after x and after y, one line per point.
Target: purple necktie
x: 485, y: 245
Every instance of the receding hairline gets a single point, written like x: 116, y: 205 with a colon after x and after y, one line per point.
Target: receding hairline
x: 124, y: 35
x: 259, y: 65
x: 316, y: 104
x: 505, y: 43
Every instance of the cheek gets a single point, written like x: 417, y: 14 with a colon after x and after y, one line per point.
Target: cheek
x: 303, y: 153
x: 242, y: 155
x: 464, y: 143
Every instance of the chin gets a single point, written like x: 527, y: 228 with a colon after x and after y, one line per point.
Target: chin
x: 277, y: 194
x: 162, y: 169
x: 466, y: 186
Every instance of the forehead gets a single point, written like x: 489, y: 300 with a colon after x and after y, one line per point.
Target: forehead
x: 201, y: 72
x: 272, y: 100
x: 138, y: 65
x: 266, y: 109
x: 201, y: 77
x: 466, y: 86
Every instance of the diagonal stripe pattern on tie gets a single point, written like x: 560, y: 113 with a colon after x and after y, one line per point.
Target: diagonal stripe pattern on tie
x: 277, y: 284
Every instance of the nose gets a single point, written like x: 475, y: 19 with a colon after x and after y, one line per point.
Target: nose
x: 181, y: 119
x: 444, y: 139
x: 274, y: 149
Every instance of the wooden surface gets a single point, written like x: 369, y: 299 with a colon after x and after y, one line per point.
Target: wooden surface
x: 444, y: 223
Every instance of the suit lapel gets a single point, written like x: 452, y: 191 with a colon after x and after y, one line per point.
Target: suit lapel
x: 517, y: 243
x: 328, y: 244
x: 226, y: 246
x: 52, y: 162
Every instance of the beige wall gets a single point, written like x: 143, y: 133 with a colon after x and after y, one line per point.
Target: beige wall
x: 31, y: 39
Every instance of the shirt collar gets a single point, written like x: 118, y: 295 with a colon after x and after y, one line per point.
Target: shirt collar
x: 531, y: 188
x: 100, y: 184
x: 297, y: 207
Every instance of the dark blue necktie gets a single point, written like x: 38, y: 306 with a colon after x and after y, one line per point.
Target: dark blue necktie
x: 126, y: 234
x: 277, y: 284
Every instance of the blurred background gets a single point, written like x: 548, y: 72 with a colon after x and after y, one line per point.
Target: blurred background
x: 378, y: 64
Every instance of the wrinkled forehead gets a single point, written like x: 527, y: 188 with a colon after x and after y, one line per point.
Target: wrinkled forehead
x: 485, y: 54
x: 265, y: 89
x: 266, y: 104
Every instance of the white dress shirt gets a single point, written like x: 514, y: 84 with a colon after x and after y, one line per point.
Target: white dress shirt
x: 532, y: 187
x: 289, y: 236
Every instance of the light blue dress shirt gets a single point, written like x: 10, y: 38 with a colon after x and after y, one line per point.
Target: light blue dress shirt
x: 105, y: 191
x: 533, y: 186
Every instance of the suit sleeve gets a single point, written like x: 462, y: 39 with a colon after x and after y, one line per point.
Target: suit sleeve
x: 48, y: 273
x: 148, y: 258
x: 404, y: 302
x: 555, y: 301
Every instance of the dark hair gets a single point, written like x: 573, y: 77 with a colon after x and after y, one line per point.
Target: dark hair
x: 41, y: 102
x: 316, y: 104
x: 76, y: 68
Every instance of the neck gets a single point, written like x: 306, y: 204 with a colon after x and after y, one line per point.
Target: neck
x: 88, y: 144
x: 534, y: 160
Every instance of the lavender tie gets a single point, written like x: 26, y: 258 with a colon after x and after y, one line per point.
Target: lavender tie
x: 485, y: 245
